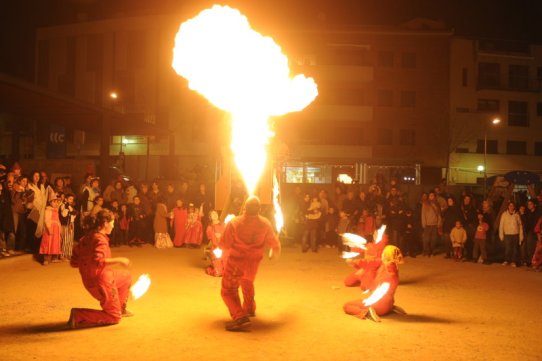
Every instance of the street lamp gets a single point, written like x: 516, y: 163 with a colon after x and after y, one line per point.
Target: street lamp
x: 495, y: 121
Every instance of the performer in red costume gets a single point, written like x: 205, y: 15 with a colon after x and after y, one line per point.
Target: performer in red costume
x: 92, y: 256
x: 379, y: 299
x: 244, y: 239
x: 366, y: 267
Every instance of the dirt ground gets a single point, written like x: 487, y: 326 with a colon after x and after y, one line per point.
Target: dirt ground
x: 456, y: 311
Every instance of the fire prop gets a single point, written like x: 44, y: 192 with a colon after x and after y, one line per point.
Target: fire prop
x: 354, y: 241
x: 217, y: 252
x: 141, y: 286
x: 228, y: 218
x: 244, y: 73
x: 377, y: 294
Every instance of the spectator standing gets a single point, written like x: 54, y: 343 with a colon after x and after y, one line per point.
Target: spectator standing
x: 458, y: 235
x: 161, y: 219
x: 532, y: 215
x: 180, y: 217
x: 50, y: 242
x: 511, y: 233
x: 431, y: 221
x: 451, y: 215
x: 479, y: 251
x: 67, y: 215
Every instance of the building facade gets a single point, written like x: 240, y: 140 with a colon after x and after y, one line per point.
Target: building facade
x: 492, y: 79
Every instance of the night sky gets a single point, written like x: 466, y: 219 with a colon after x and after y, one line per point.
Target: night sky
x: 503, y: 19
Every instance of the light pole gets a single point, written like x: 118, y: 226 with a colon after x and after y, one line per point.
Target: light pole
x: 495, y: 121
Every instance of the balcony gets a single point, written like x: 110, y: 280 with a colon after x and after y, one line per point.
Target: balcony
x: 528, y: 86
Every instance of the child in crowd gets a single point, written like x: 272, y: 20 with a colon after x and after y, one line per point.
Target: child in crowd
x: 137, y: 229
x: 217, y: 257
x: 114, y: 236
x: 67, y: 214
x: 50, y: 241
x: 194, y: 229
x: 458, y: 236
x: 124, y: 224
x: 479, y: 251
x: 180, y: 215
x: 161, y: 218
x: 366, y: 225
x: 408, y: 241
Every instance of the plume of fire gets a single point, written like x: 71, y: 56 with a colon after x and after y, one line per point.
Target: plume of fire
x: 217, y: 252
x: 244, y: 73
x: 377, y: 294
x: 141, y: 286
x: 279, y: 218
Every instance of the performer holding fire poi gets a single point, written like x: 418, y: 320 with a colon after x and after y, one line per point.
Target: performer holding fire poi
x: 244, y: 239
x: 379, y: 299
x: 111, y: 287
x: 366, y: 267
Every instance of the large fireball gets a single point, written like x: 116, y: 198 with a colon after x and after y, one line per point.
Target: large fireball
x: 244, y: 73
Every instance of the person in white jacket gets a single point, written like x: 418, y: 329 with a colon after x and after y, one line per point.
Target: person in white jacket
x: 511, y: 233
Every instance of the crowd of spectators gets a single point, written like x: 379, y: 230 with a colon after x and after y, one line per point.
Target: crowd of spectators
x: 44, y: 218
x: 460, y: 226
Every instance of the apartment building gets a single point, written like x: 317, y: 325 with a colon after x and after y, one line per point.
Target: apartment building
x: 494, y: 79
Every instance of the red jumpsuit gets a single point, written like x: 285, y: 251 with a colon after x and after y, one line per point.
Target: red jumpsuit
x: 385, y: 273
x: 215, y: 233
x: 367, y: 267
x: 245, y: 238
x: 107, y: 285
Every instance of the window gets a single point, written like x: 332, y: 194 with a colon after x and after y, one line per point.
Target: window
x: 308, y: 173
x: 385, y: 59
x: 488, y: 105
x: 492, y: 146
x: 408, y: 99
x: 518, y: 77
x: 136, y: 49
x: 385, y: 98
x: 95, y: 52
x: 464, y: 77
x: 407, y: 137
x: 516, y: 147
x: 293, y: 174
x: 537, y: 148
x: 517, y: 114
x: 489, y: 74
x: 343, y: 96
x: 539, y: 109
x: 347, y: 55
x: 408, y: 60
x: 43, y: 63
x: 385, y: 136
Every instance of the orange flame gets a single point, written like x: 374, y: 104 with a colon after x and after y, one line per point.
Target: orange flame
x: 377, y: 294
x: 244, y: 73
x: 141, y: 286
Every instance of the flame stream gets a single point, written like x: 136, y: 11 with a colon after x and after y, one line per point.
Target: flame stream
x: 244, y: 73
x: 141, y: 286
x: 279, y: 217
x: 377, y: 294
